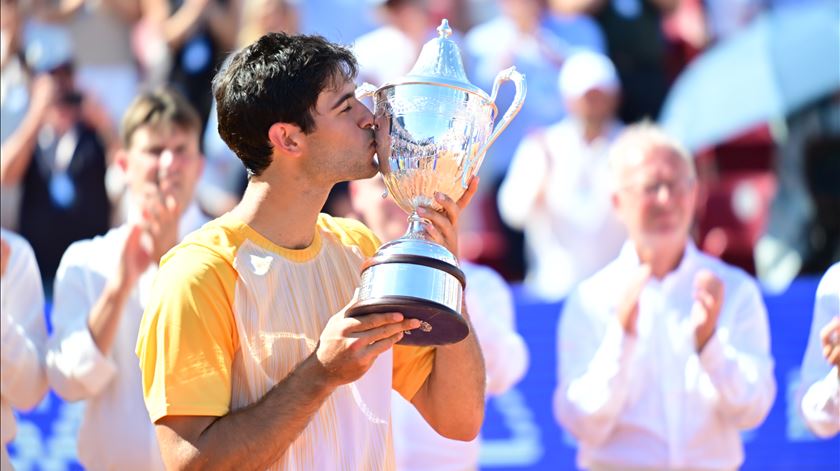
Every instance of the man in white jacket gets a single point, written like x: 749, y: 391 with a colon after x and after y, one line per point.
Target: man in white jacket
x: 102, y: 285
x: 490, y: 303
x: 664, y: 354
x: 819, y: 391
x: 22, y: 334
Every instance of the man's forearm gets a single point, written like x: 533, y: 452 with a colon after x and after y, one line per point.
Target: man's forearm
x: 254, y: 437
x: 452, y: 398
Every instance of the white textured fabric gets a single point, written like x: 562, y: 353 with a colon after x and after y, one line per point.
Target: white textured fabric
x: 490, y: 305
x: 115, y: 432
x: 820, y: 385
x: 651, y: 401
x: 351, y: 430
x: 23, y: 333
x: 557, y: 190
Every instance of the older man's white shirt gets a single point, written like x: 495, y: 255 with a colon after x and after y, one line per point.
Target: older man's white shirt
x: 116, y: 432
x: 650, y: 401
x: 490, y: 305
x: 820, y: 384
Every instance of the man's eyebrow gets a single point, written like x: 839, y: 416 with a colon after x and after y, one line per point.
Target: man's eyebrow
x: 343, y: 99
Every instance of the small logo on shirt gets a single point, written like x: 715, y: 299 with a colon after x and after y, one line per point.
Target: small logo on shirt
x: 261, y: 265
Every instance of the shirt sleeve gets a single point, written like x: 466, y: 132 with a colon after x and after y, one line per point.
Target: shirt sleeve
x: 76, y: 368
x: 819, y: 388
x: 520, y: 190
x: 595, y: 363
x: 491, y: 310
x: 412, y: 365
x: 187, y: 338
x: 23, y: 382
x: 737, y: 358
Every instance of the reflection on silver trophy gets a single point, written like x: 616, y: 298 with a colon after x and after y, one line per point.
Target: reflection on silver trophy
x: 433, y: 128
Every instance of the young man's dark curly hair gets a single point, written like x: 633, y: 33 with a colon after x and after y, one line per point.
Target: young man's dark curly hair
x: 276, y: 79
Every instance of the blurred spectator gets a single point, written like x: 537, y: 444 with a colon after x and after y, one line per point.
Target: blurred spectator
x: 490, y: 305
x: 199, y: 34
x: 636, y: 44
x: 526, y: 36
x: 22, y: 335
x: 100, y: 32
x: 58, y: 157
x: 14, y: 95
x: 803, y: 230
x: 102, y: 286
x: 664, y: 354
x: 557, y: 188
x: 224, y: 178
x: 389, y: 52
x: 267, y: 16
x: 819, y: 388
x: 340, y: 21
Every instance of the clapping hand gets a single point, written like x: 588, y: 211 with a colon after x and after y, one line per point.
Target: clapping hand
x: 708, y: 300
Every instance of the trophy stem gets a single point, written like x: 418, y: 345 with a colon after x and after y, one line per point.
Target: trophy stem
x: 416, y: 227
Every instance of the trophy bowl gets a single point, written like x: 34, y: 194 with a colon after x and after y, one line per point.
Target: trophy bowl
x: 433, y: 129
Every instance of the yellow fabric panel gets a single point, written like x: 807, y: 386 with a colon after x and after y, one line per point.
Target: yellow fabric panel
x: 412, y: 365
x: 187, y: 337
x: 351, y: 232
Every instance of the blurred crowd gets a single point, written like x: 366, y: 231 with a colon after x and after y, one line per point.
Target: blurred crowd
x: 70, y: 69
x: 547, y: 213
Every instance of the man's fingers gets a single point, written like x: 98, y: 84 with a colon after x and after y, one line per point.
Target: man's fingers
x: 450, y: 209
x: 441, y: 226
x: 371, y: 321
x: 381, y: 346
x: 465, y: 199
x: 832, y: 354
x: 387, y: 330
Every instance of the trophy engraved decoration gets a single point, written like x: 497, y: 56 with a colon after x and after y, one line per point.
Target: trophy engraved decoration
x: 433, y: 128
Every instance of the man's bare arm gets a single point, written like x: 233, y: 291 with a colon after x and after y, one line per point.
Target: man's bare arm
x: 257, y: 436
x: 452, y: 398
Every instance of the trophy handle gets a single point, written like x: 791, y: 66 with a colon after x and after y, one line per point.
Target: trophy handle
x: 518, y: 79
x: 365, y: 90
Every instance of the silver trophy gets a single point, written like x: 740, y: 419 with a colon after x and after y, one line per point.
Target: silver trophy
x: 433, y: 128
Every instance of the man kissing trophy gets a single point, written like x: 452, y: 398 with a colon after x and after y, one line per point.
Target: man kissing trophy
x: 433, y: 129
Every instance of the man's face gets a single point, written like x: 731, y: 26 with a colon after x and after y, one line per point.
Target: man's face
x: 595, y: 105
x: 163, y: 158
x: 342, y: 145
x: 382, y: 215
x: 656, y: 197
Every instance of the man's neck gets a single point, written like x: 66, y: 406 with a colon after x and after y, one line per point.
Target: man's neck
x: 592, y: 129
x: 285, y: 214
x: 662, y: 259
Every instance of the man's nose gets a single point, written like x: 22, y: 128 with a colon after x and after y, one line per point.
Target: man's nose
x: 367, y: 118
x: 166, y: 162
x: 664, y: 193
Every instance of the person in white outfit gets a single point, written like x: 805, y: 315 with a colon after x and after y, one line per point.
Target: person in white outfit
x: 490, y: 303
x: 664, y: 354
x: 557, y: 187
x: 23, y: 382
x: 819, y: 393
x: 102, y: 285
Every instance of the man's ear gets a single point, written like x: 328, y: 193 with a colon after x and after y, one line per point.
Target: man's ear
x: 286, y: 137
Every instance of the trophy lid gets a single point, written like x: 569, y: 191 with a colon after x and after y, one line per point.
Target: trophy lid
x: 440, y: 63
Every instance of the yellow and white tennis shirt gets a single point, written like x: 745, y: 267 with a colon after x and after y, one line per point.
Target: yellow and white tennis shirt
x: 232, y: 314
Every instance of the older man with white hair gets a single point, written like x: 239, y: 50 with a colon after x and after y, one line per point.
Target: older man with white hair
x: 664, y: 354
x: 557, y: 186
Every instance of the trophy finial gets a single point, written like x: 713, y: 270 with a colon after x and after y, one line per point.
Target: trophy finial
x: 444, y: 30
